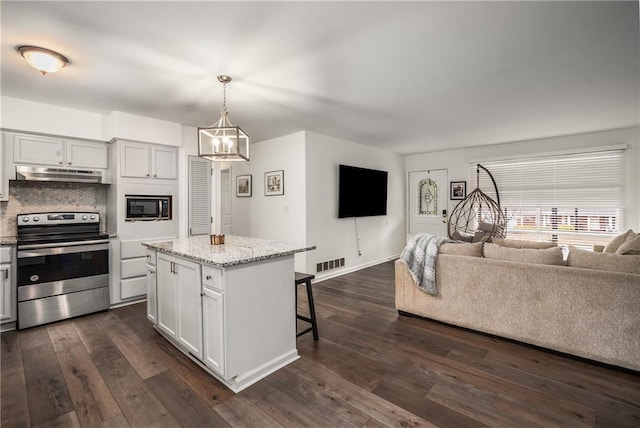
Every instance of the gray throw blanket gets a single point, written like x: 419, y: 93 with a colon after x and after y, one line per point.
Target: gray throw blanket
x: 420, y: 257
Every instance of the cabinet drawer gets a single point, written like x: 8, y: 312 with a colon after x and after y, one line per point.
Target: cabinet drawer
x: 133, y: 287
x: 131, y: 249
x: 5, y: 254
x: 133, y: 267
x: 212, y: 278
x: 151, y: 257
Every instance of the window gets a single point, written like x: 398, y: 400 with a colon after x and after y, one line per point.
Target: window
x: 573, y: 199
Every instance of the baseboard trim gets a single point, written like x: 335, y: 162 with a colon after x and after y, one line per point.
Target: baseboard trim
x: 321, y: 277
x: 128, y: 302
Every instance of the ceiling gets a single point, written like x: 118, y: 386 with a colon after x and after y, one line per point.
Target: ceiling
x: 403, y: 76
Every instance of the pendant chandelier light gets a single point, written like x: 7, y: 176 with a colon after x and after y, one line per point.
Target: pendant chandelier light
x: 223, y: 141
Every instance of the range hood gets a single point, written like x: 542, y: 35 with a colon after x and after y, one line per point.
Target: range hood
x: 67, y: 175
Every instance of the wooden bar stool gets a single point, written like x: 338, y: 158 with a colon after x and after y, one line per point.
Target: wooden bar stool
x: 305, y: 278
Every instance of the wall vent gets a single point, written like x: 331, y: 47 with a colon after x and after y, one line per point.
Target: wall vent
x: 330, y: 264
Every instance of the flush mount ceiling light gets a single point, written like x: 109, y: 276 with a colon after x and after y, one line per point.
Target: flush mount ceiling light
x: 223, y: 141
x: 43, y: 60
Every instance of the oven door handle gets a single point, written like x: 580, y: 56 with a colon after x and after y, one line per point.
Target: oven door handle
x: 39, y: 252
x: 62, y: 244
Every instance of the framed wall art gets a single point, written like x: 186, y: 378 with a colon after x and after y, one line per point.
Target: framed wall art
x: 457, y: 190
x: 243, y: 186
x: 274, y: 183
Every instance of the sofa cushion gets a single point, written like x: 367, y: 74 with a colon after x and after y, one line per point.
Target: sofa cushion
x: 515, y: 243
x: 461, y: 249
x: 630, y: 246
x: 616, y: 242
x: 603, y: 261
x: 547, y: 256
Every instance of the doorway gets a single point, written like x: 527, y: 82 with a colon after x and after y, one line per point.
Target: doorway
x: 225, y: 201
x: 427, y: 200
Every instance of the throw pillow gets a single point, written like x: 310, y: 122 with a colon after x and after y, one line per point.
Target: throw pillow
x: 603, y: 261
x: 547, y: 256
x: 461, y: 249
x: 461, y: 236
x: 481, y: 236
x: 616, y: 242
x: 630, y: 246
x: 486, y: 227
x: 514, y: 243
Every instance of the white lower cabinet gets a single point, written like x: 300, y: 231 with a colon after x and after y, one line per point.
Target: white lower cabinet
x: 7, y: 286
x: 237, y: 321
x: 152, y: 288
x: 152, y: 303
x: 5, y: 291
x: 180, y: 301
x: 213, y: 317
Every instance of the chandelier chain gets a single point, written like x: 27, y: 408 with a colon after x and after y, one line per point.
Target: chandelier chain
x: 224, y: 96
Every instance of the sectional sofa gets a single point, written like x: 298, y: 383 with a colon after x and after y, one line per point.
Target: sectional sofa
x: 586, y: 307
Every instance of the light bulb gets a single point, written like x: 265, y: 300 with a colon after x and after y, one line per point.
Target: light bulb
x: 227, y: 144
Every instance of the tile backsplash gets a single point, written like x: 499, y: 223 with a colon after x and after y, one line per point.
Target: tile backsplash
x: 41, y: 196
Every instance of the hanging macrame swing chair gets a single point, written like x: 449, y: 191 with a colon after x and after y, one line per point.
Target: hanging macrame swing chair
x: 478, y: 218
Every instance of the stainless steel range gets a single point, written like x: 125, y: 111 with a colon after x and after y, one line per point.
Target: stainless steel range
x: 63, y: 267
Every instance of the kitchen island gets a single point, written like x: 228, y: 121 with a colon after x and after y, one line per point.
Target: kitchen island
x: 230, y: 307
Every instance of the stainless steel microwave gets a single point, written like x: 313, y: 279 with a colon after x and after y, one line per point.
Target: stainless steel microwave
x: 148, y: 207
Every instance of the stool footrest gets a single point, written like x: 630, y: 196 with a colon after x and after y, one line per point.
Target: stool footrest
x: 303, y: 318
x: 304, y: 332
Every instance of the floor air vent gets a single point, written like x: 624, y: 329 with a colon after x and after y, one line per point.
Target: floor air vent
x: 331, y: 264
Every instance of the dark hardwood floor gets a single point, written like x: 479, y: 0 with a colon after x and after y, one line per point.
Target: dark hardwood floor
x: 371, y: 368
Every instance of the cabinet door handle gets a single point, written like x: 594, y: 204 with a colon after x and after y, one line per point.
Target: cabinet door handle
x: 155, y: 175
x: 69, y: 163
x: 208, y: 277
x: 6, y: 274
x: 60, y: 162
x: 151, y: 272
x: 147, y: 175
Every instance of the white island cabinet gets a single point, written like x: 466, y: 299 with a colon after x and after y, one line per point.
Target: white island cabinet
x: 230, y: 307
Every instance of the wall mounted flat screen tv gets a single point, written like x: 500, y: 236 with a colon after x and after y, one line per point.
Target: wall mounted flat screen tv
x: 361, y: 192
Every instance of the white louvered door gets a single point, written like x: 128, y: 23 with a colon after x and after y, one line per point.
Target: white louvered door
x: 199, y: 196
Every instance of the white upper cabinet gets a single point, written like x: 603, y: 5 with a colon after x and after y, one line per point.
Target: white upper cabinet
x: 39, y: 150
x: 134, y: 160
x: 86, y: 155
x: 164, y: 162
x: 146, y: 161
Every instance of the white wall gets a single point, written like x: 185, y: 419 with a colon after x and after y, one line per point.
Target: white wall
x: 457, y: 161
x: 127, y: 126
x: 23, y: 115
x: 381, y: 237
x: 283, y: 217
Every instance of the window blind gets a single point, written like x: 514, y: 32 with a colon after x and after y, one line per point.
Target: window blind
x: 574, y: 199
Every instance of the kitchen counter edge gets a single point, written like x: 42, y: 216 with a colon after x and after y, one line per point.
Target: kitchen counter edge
x: 157, y: 246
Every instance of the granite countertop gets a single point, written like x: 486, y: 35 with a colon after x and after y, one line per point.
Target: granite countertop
x: 8, y: 240
x: 235, y: 250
